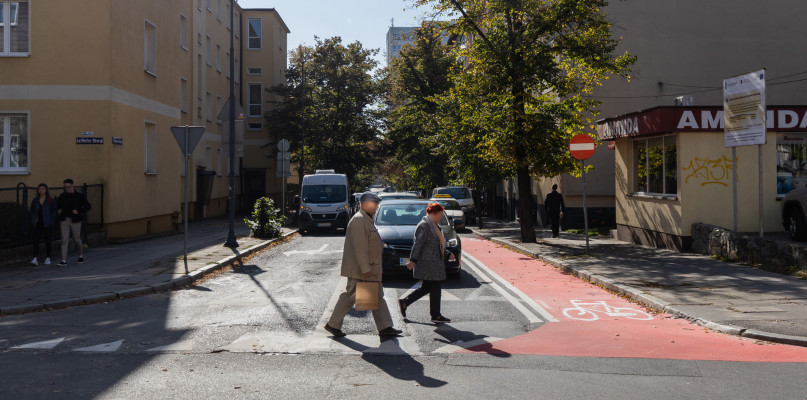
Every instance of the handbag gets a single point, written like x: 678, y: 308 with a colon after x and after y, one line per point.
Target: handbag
x: 366, y: 296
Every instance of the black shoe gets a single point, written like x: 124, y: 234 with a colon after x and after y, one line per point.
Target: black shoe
x: 333, y: 331
x: 440, y: 319
x: 390, y: 332
x: 81, y: 260
x: 62, y: 263
x: 402, y: 306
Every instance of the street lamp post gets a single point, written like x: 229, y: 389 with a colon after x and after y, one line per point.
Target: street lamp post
x: 231, y: 240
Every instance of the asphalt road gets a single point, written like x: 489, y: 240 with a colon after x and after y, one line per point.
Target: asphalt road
x: 256, y: 332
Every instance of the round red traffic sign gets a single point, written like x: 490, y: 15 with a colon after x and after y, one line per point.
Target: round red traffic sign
x: 581, y: 146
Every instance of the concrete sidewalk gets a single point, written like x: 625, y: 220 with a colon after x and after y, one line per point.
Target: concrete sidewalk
x: 124, y: 270
x: 727, y: 297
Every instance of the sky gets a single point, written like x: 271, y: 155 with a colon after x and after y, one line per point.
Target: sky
x: 364, y: 20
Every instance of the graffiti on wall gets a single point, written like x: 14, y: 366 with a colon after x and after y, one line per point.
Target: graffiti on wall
x: 709, y: 171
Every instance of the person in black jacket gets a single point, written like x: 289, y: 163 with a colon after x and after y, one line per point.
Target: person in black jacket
x: 72, y: 208
x: 554, y: 207
x: 43, y: 215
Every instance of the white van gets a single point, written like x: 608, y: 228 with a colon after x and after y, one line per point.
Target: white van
x: 324, y: 201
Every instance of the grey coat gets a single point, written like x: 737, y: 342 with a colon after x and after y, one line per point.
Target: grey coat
x: 429, y: 263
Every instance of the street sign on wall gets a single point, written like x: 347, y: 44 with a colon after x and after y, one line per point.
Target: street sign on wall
x: 744, y: 113
x: 582, y: 147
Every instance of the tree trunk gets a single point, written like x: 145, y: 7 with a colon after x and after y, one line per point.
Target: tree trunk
x: 525, y: 205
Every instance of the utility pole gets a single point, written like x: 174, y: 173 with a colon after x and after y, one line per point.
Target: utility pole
x: 302, y: 117
x: 231, y: 240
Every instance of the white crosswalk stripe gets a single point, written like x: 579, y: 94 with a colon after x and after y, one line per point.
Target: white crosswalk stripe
x: 43, y: 345
x: 102, y: 348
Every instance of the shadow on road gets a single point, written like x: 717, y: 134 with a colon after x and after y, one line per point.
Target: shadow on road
x: 402, y: 367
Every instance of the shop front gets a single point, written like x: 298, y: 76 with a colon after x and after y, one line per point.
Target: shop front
x: 672, y: 169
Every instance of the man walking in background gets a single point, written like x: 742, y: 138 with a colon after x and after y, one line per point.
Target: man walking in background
x: 72, y: 207
x: 554, y: 207
x: 361, y: 261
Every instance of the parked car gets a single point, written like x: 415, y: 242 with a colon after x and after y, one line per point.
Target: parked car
x: 356, y: 204
x: 464, y: 196
x: 793, y: 219
x: 396, y: 221
x: 398, y: 196
x: 453, y: 209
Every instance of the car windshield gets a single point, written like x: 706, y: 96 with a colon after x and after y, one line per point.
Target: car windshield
x: 457, y: 193
x: 324, y: 193
x: 448, y: 204
x: 403, y: 214
x: 397, y: 196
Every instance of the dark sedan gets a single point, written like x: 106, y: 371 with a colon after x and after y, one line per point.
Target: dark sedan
x: 396, y: 221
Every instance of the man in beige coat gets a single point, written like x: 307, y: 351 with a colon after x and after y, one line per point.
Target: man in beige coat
x: 361, y: 261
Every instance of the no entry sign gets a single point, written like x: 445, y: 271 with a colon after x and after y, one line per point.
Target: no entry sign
x: 582, y: 147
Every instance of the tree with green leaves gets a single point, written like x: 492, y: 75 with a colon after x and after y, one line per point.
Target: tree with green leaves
x: 329, y: 108
x: 531, y: 66
x: 414, y: 140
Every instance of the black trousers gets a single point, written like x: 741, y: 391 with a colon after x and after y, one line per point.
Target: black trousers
x: 554, y: 219
x: 39, y: 231
x: 434, y: 290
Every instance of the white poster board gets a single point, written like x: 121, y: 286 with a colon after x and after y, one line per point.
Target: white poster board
x: 744, y: 109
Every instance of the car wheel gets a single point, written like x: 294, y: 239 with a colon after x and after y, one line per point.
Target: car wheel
x: 795, y: 224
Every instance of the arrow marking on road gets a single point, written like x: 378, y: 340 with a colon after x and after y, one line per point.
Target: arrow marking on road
x: 45, y: 344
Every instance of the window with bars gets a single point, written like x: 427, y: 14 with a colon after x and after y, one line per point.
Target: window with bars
x: 14, y: 28
x: 14, y: 148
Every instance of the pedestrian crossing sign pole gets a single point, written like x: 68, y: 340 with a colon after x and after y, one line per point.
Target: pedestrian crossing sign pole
x: 187, y: 137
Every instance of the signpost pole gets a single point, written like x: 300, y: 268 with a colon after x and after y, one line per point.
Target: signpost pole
x: 585, y: 208
x: 185, y: 217
x: 734, y: 182
x: 283, y: 186
x: 761, y: 219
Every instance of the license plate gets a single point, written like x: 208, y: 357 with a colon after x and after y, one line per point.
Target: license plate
x: 404, y: 261
x: 324, y: 224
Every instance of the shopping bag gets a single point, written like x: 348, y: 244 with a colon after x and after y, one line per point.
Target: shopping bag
x: 366, y: 296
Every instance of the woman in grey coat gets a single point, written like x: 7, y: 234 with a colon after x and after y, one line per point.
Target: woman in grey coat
x: 428, y: 262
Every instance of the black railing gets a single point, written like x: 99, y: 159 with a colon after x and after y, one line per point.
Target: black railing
x: 15, y: 212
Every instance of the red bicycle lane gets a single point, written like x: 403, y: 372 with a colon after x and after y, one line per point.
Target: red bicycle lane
x: 597, y: 323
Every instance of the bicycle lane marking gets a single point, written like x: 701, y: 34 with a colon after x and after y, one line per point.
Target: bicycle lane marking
x: 609, y: 335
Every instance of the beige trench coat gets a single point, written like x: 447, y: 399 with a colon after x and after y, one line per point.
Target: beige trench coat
x: 363, y: 249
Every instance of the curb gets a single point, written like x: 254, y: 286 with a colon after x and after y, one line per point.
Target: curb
x: 646, y: 299
x: 166, y: 286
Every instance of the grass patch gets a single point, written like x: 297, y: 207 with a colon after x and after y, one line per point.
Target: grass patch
x: 599, y: 231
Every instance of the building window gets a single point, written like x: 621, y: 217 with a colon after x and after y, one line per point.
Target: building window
x: 219, y: 162
x: 14, y: 143
x: 209, y: 51
x: 150, y: 47
x: 183, y: 95
x: 254, y: 70
x: 183, y: 32
x: 200, y: 81
x: 655, y: 163
x: 218, y: 57
x: 218, y: 109
x: 209, y: 5
x: 254, y: 126
x: 150, y: 139
x: 254, y: 99
x: 227, y: 17
x: 254, y: 41
x: 209, y: 158
x: 218, y: 10
x: 199, y: 5
x: 791, y: 162
x: 209, y: 108
x: 14, y: 28
x: 199, y: 38
x: 237, y: 25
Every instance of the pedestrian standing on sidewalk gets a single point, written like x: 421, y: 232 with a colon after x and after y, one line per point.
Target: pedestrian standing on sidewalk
x: 361, y: 261
x: 72, y: 208
x: 43, y: 213
x: 554, y: 207
x: 427, y: 261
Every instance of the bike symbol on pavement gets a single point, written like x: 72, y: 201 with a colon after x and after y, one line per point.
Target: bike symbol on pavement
x: 589, y: 311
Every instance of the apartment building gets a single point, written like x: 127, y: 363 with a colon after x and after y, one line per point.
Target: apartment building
x: 91, y: 92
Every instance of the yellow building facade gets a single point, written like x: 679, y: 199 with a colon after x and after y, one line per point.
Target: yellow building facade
x: 90, y: 93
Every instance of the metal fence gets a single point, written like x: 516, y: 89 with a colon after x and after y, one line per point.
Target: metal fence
x: 15, y: 212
